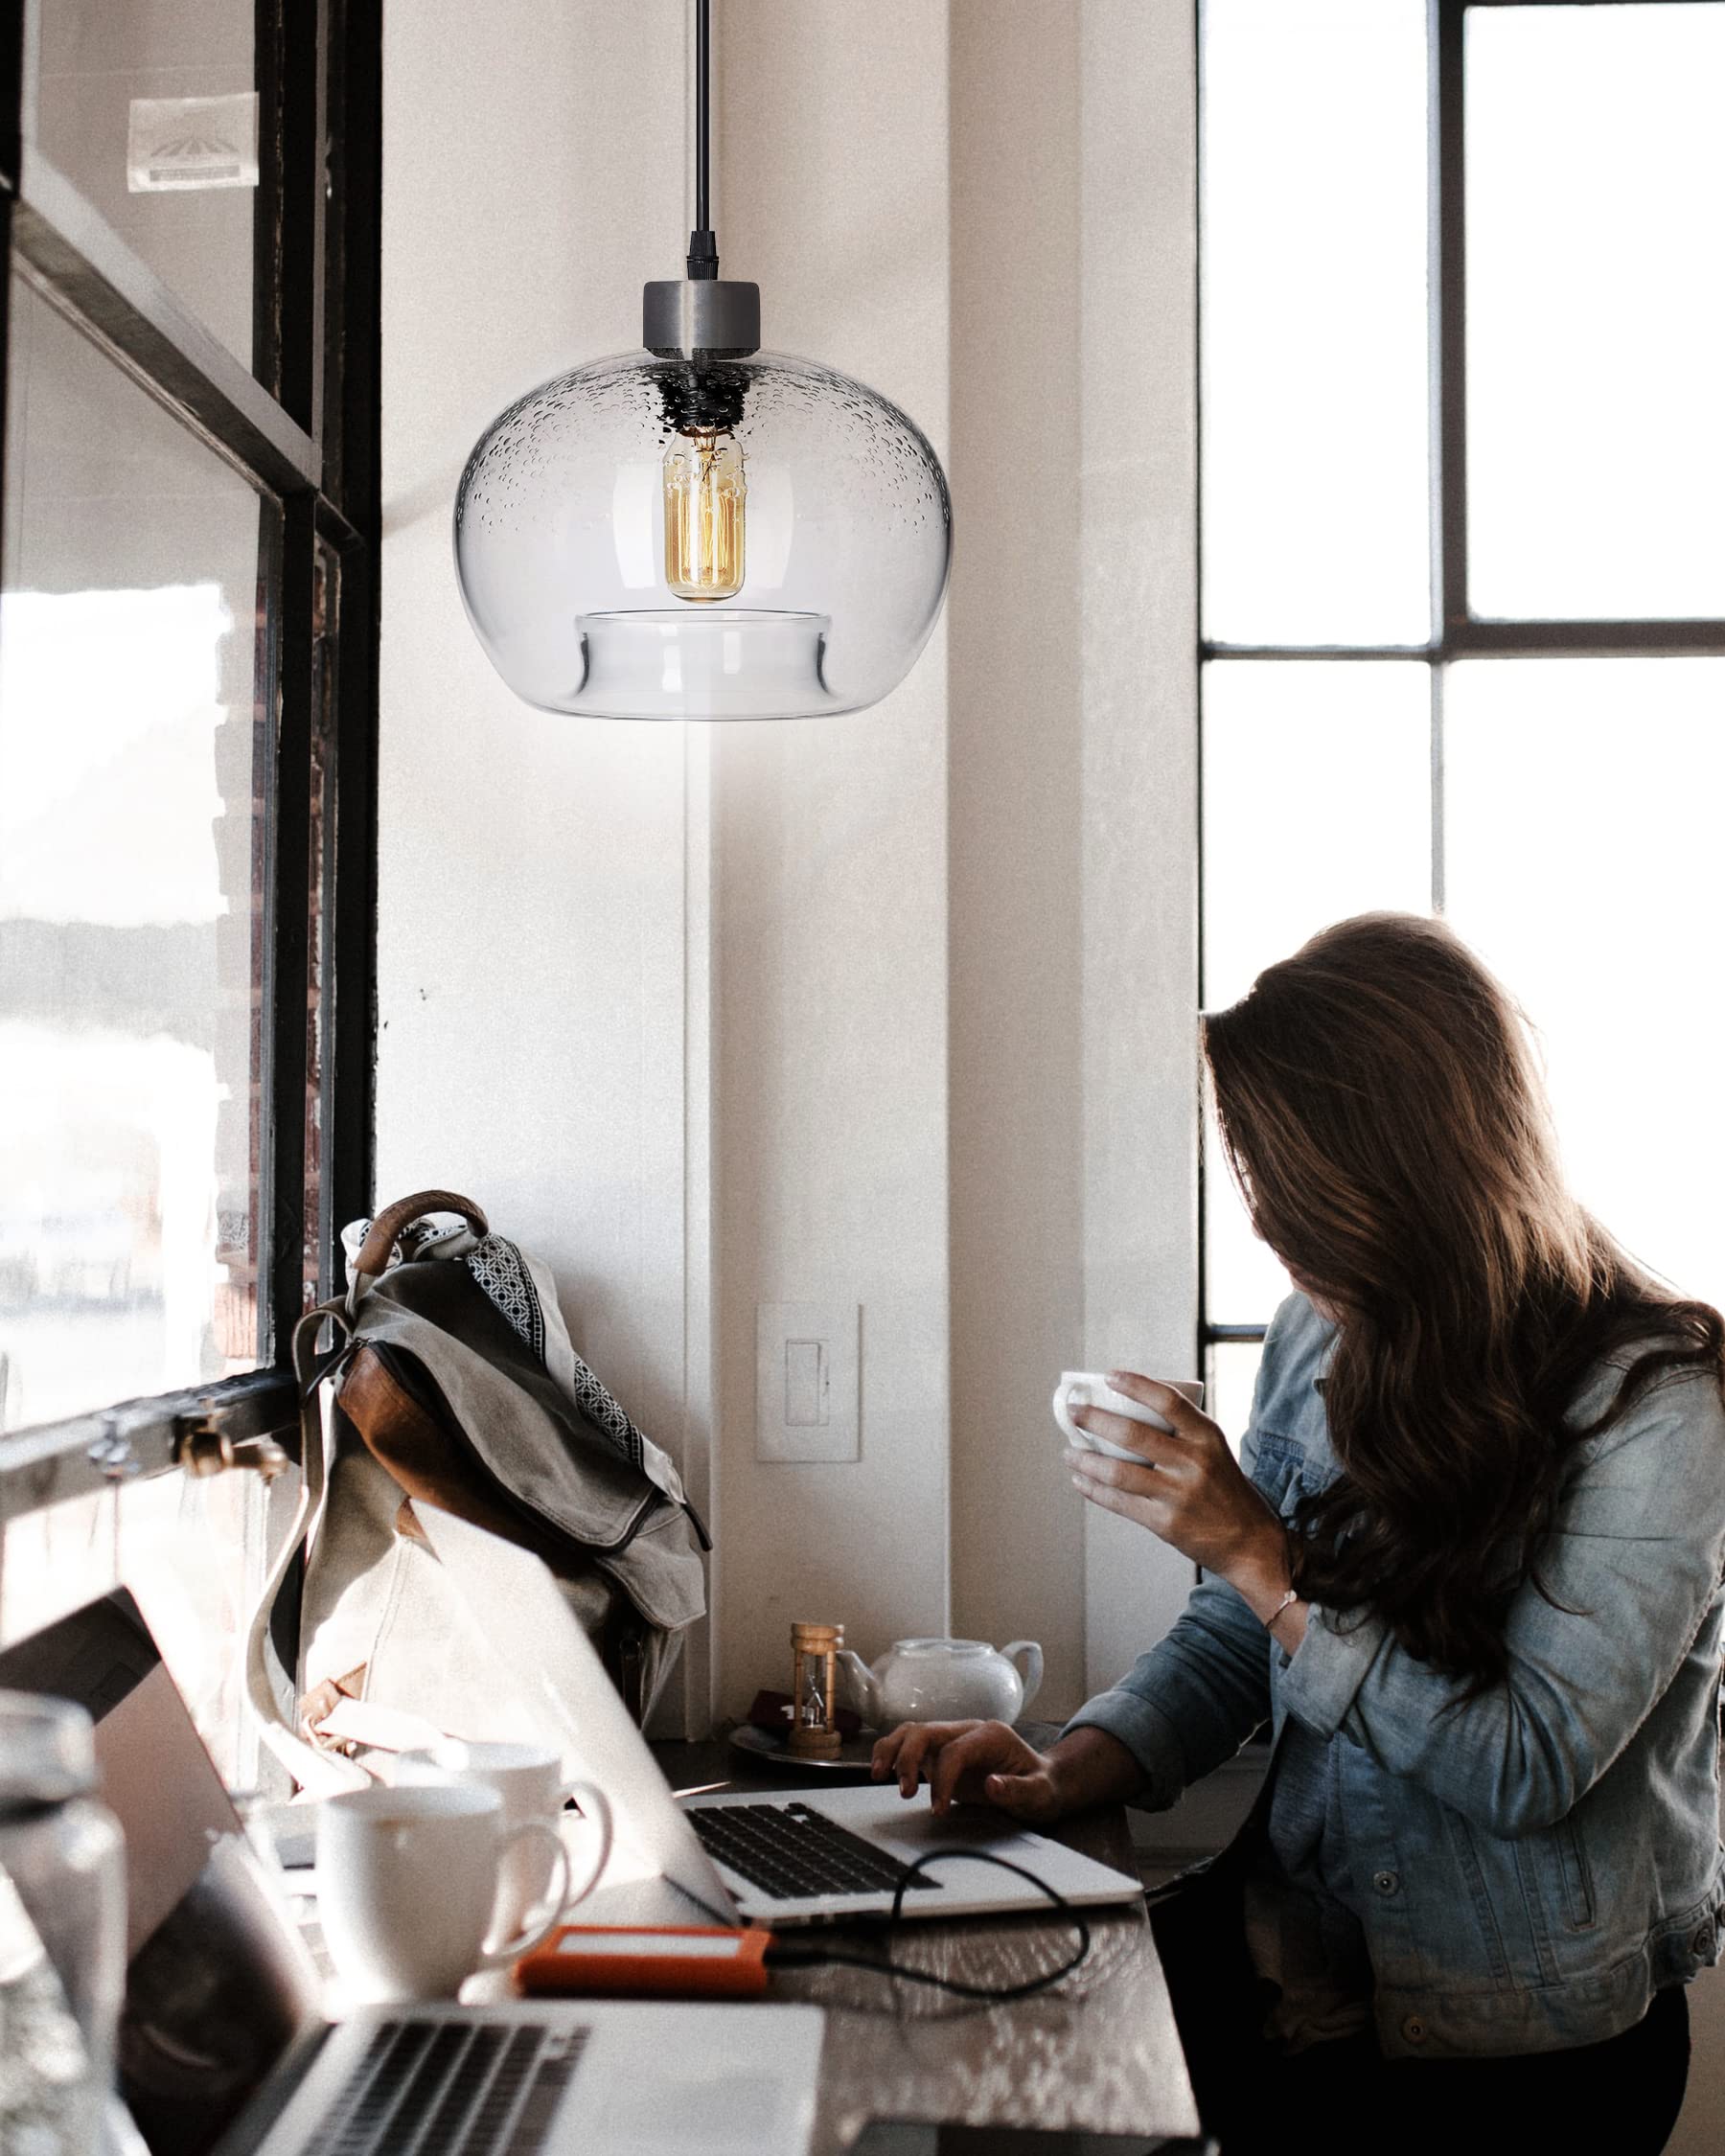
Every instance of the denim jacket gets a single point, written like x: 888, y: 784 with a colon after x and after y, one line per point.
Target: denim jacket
x: 1545, y: 1858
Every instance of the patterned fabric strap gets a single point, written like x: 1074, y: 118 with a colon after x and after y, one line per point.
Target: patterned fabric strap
x: 500, y: 1268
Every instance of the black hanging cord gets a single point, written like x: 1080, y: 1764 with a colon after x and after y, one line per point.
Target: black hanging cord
x: 789, y: 1958
x: 704, y: 248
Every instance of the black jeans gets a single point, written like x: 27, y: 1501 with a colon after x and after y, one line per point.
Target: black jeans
x: 1345, y: 2099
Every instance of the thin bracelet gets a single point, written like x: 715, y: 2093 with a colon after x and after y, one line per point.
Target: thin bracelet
x: 1288, y: 1599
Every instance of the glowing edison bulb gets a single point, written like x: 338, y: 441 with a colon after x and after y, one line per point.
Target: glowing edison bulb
x: 705, y: 490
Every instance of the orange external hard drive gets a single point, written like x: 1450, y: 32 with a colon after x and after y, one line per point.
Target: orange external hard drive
x: 615, y: 1961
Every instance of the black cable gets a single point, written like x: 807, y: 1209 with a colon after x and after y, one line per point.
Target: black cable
x: 703, y: 70
x: 704, y: 249
x: 780, y: 1958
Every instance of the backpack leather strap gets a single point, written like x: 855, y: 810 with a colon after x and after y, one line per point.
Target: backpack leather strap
x: 374, y: 1251
x: 321, y: 1773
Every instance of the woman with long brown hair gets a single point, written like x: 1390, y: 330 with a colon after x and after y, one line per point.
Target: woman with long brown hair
x: 1467, y: 1569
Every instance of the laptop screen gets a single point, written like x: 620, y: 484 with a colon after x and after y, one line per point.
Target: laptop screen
x: 217, y: 1985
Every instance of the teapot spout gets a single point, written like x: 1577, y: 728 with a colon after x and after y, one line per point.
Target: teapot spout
x: 861, y: 1684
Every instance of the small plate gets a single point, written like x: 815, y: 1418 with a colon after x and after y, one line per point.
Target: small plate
x: 856, y: 1754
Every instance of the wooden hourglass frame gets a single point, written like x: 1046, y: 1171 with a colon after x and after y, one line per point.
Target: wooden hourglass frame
x: 814, y: 1732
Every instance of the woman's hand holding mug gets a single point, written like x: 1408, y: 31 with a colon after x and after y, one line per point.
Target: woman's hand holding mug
x: 1180, y: 1480
x: 1188, y: 1489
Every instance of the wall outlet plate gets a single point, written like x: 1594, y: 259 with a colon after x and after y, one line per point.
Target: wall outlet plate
x: 806, y: 1381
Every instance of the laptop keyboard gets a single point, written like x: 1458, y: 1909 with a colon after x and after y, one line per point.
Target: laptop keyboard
x: 454, y: 2088
x: 793, y: 1853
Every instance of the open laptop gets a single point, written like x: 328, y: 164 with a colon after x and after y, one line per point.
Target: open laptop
x: 778, y: 1858
x: 222, y: 2045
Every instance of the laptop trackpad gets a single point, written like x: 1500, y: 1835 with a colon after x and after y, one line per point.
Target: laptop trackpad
x: 726, y: 2080
x: 967, y: 1826
x: 741, y: 2112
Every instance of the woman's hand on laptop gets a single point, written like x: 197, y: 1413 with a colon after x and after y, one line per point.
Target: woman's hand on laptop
x: 989, y: 1763
x: 972, y: 1762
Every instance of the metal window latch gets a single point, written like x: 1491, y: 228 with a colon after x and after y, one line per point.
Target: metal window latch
x: 112, y: 1454
x: 202, y: 1447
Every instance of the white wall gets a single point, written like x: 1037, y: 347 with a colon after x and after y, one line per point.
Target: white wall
x: 831, y: 845
x: 895, y: 1010
x: 1072, y: 778
x: 1139, y: 545
x: 534, y: 904
x: 1015, y: 738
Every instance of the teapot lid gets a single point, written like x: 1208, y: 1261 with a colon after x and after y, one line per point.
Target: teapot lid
x: 941, y: 1646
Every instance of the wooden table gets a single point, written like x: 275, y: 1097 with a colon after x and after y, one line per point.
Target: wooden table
x: 1096, y: 2054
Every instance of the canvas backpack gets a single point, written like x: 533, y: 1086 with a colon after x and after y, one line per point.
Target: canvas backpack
x: 450, y: 1381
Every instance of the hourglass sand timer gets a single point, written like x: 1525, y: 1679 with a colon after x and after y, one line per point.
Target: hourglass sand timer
x: 814, y: 1673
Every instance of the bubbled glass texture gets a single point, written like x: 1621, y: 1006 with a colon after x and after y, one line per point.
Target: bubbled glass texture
x: 560, y: 543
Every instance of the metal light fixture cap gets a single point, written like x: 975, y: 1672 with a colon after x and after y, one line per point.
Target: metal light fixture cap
x: 690, y: 317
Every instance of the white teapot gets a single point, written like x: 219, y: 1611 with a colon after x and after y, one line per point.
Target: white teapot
x: 944, y: 1681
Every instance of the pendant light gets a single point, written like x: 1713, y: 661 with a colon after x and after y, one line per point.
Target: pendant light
x: 702, y: 529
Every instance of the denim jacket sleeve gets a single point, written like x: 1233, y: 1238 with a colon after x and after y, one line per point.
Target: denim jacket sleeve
x: 1635, y: 1561
x: 1195, y: 1698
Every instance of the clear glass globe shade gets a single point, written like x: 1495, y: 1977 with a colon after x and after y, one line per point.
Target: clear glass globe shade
x: 561, y: 542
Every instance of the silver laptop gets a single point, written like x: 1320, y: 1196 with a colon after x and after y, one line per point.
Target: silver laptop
x: 776, y: 1857
x: 222, y: 2044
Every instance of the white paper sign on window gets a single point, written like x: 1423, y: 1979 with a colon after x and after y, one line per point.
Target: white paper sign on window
x: 191, y: 142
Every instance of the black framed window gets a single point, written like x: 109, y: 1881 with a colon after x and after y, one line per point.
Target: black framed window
x: 188, y: 638
x: 1463, y: 576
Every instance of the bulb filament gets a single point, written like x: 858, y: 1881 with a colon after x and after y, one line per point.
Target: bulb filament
x: 704, y: 534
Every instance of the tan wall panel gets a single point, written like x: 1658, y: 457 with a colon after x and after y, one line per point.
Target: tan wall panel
x: 831, y: 865
x: 1015, y: 766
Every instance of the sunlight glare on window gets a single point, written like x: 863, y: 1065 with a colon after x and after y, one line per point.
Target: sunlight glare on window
x: 1596, y: 312
x: 1317, y: 804
x: 107, y: 1129
x: 1316, y: 405
x: 1584, y: 864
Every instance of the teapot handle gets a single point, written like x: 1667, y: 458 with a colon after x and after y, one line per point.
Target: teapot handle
x: 1031, y: 1670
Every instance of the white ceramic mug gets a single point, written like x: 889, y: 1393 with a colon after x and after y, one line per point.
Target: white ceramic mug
x: 1090, y: 1388
x: 407, y: 1882
x: 529, y: 1778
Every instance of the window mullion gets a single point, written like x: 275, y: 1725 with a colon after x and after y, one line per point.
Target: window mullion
x: 288, y: 975
x: 75, y: 1457
x: 289, y: 323
x: 81, y: 267
x: 1450, y: 571
x: 11, y: 97
x: 352, y: 929
x: 1437, y: 793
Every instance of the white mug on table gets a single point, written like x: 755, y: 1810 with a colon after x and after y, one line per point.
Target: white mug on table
x: 529, y: 1778
x: 409, y: 1882
x: 1090, y: 1388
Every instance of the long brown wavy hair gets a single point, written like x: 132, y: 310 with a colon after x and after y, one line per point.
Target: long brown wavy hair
x: 1382, y: 1113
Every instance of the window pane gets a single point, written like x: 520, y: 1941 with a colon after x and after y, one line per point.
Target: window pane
x: 1581, y: 818
x: 192, y: 1551
x: 1233, y: 1372
x: 1596, y: 314
x: 133, y: 764
x: 1316, y: 400
x: 1317, y: 804
x: 149, y: 107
